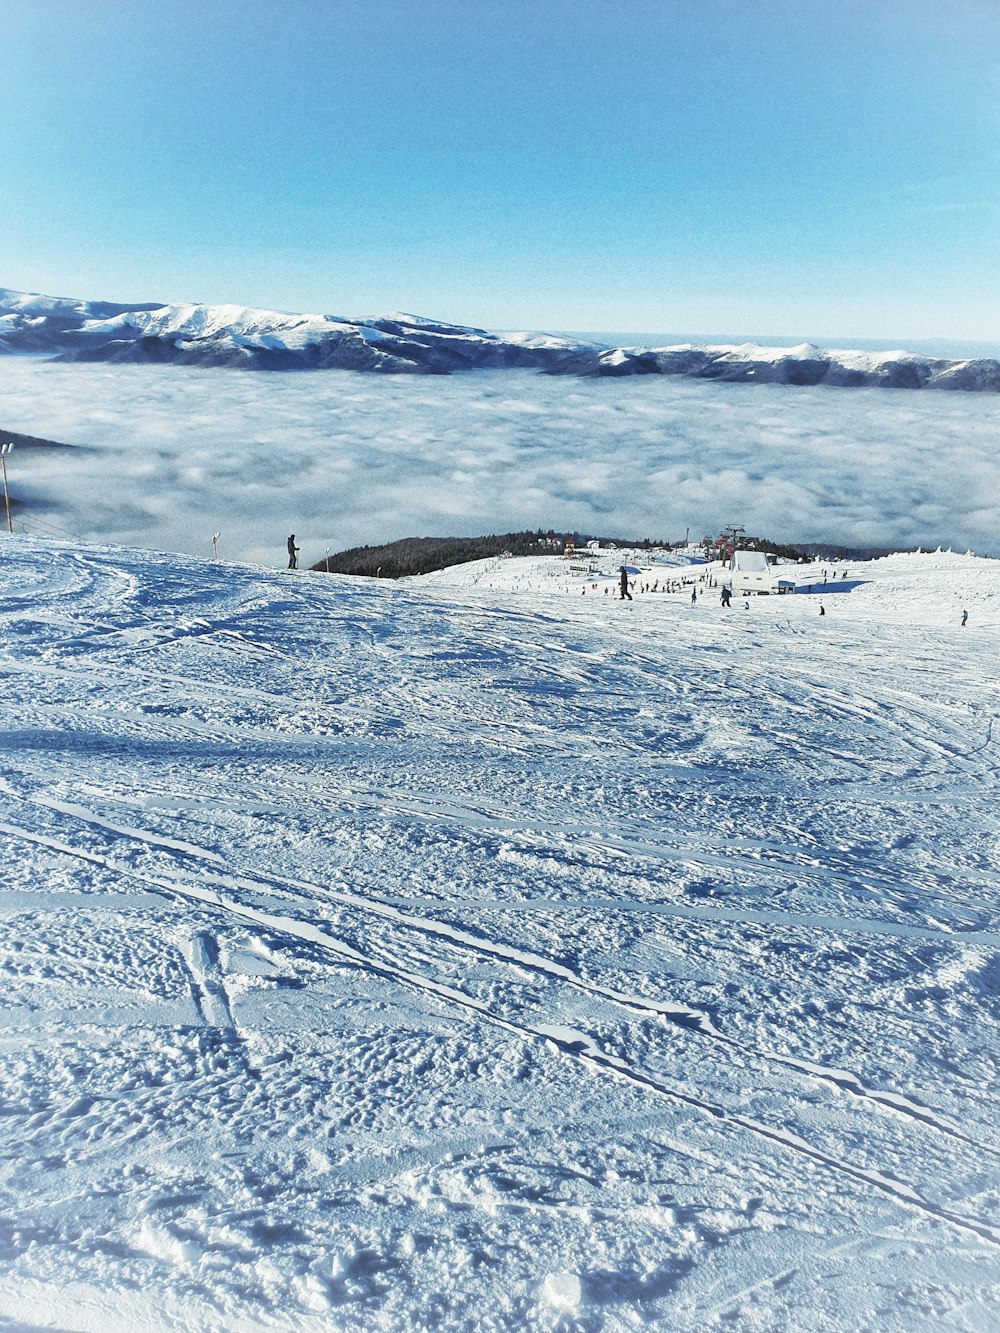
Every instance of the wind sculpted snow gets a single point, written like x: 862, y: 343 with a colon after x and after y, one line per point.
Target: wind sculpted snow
x: 486, y: 952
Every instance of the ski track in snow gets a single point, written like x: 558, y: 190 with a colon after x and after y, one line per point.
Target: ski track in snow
x: 504, y: 803
x: 201, y: 955
x: 214, y: 1009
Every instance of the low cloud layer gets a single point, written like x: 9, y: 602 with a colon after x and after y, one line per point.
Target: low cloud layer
x: 342, y: 459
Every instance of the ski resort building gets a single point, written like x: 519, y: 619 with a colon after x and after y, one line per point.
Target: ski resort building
x: 750, y: 573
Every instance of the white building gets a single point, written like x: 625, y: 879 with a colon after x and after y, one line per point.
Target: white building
x: 749, y: 572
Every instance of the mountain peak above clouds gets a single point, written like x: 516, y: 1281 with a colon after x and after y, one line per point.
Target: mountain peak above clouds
x: 70, y: 329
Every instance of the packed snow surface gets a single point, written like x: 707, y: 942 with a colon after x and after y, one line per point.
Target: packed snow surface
x: 490, y: 952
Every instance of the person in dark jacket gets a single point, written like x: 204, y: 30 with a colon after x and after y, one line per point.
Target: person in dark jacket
x: 293, y: 553
x: 624, y: 585
x: 727, y: 596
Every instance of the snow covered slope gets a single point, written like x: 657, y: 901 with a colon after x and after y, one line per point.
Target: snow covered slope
x: 487, y: 953
x: 227, y: 335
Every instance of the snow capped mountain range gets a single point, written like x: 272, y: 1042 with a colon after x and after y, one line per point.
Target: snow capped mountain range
x: 237, y: 336
x: 229, y: 335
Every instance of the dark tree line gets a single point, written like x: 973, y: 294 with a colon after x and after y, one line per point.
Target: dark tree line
x: 773, y: 547
x: 421, y: 555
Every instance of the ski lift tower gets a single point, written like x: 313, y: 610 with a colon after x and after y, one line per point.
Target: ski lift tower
x: 732, y: 534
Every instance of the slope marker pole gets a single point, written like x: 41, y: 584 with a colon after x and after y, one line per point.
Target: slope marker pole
x: 5, y: 449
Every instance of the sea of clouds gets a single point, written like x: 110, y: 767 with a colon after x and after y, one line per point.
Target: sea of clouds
x: 342, y: 459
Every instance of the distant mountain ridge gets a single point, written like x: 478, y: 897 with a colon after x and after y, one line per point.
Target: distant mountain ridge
x: 229, y: 335
x: 237, y: 336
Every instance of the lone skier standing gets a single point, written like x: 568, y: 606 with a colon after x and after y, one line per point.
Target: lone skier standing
x: 293, y: 553
x: 624, y: 585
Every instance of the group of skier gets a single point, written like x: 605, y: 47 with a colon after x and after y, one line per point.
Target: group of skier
x: 625, y: 594
x: 726, y: 594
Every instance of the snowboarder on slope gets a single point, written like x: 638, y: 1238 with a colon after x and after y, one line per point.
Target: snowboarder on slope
x: 293, y: 552
x: 624, y: 585
x: 694, y: 596
x: 965, y: 617
x: 727, y: 596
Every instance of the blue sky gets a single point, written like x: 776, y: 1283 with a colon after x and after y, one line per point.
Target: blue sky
x: 762, y: 168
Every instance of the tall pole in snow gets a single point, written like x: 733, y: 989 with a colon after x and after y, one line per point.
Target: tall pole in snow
x: 5, y: 449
